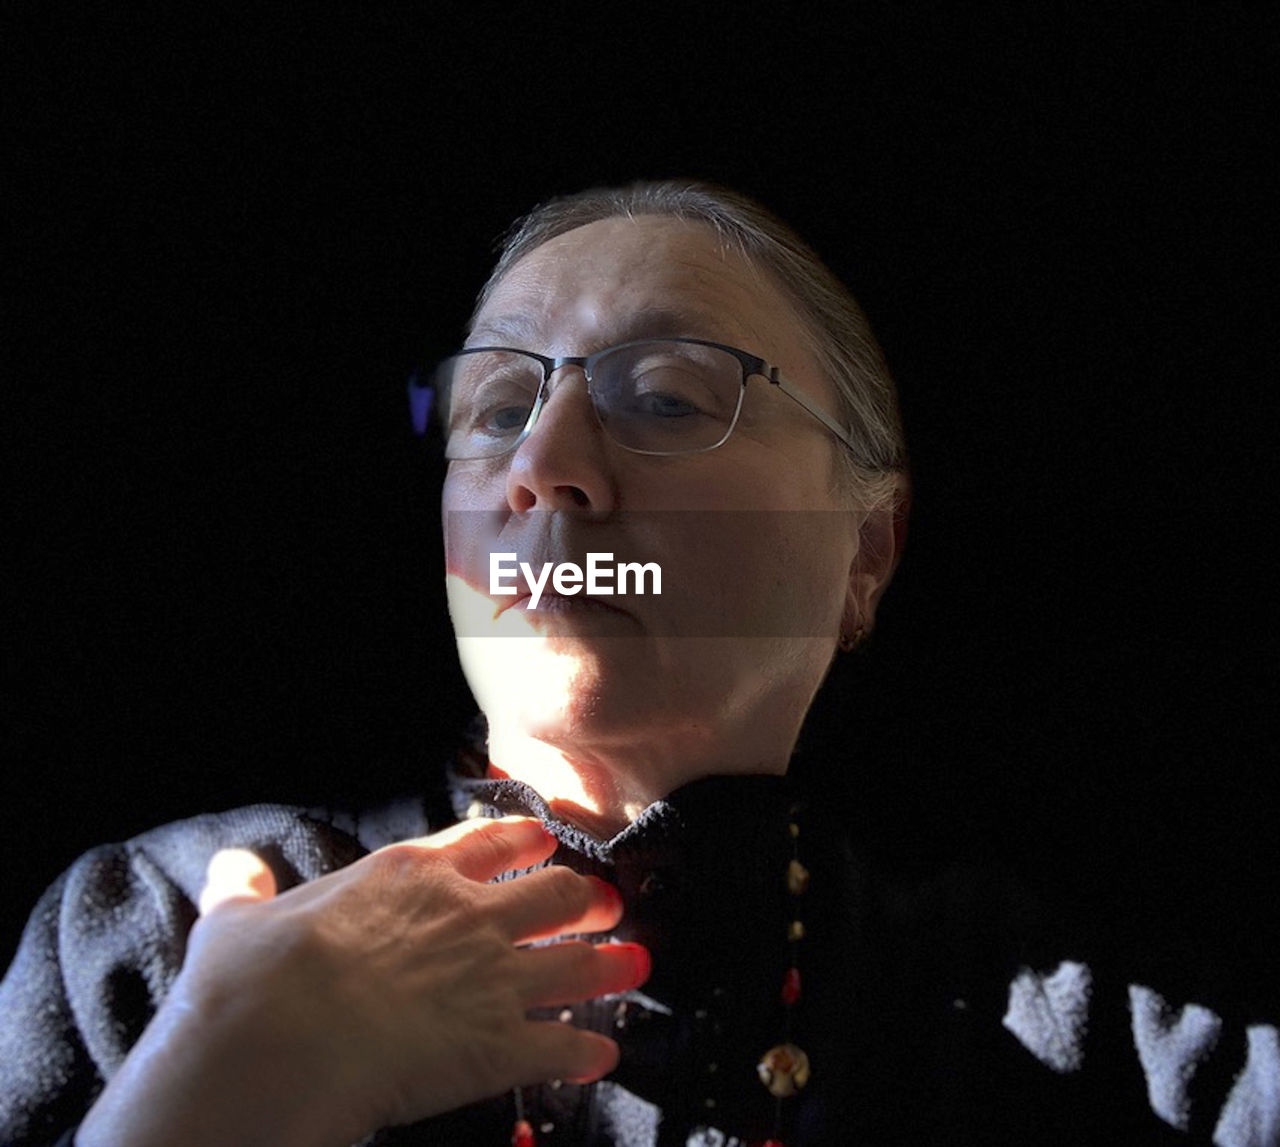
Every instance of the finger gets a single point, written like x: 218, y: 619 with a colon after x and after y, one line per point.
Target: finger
x: 574, y: 971
x: 482, y: 849
x: 235, y: 874
x: 560, y: 1051
x: 554, y: 902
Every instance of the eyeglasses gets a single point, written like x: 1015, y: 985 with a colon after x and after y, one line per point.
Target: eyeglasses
x: 651, y: 396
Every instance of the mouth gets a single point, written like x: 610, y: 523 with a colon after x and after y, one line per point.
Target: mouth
x: 553, y: 604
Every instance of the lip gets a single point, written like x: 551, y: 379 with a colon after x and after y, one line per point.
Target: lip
x: 550, y: 603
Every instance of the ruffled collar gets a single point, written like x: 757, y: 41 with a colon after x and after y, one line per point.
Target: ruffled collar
x: 702, y: 815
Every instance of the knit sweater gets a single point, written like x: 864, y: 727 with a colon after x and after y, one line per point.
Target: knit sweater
x: 944, y: 1009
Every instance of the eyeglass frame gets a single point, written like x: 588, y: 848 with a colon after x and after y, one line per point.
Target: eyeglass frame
x: 421, y: 394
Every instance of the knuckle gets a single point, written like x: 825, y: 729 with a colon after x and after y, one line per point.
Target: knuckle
x: 469, y: 913
x: 492, y: 843
x: 492, y: 1047
x: 397, y: 863
x: 571, y: 892
x: 414, y: 878
x: 497, y: 1061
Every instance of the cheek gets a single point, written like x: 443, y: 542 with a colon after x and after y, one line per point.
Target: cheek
x: 756, y: 573
x: 472, y: 509
x: 811, y: 482
x: 457, y: 520
x: 469, y: 486
x: 769, y: 469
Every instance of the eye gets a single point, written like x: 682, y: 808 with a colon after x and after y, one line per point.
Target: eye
x: 503, y: 418
x: 497, y: 406
x: 671, y: 389
x: 663, y: 405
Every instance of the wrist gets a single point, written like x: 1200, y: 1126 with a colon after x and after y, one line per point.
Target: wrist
x: 204, y: 1076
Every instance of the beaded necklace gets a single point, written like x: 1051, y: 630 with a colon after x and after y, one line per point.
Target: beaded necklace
x: 784, y: 1068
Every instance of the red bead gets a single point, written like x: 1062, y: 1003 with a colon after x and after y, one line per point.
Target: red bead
x: 791, y: 986
x: 522, y: 1135
x: 774, y: 1143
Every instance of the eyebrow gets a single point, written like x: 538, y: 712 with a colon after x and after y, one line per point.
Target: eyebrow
x: 649, y: 322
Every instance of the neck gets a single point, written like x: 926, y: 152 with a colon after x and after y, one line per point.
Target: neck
x: 602, y: 794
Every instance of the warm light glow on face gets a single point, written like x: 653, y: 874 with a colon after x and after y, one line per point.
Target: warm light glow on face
x: 516, y: 668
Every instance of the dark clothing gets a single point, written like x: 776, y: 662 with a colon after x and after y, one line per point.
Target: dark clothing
x: 932, y: 1011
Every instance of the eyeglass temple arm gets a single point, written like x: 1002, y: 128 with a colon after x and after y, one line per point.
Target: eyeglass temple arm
x: 821, y: 415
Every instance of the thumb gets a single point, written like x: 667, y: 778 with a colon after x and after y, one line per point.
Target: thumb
x: 235, y: 874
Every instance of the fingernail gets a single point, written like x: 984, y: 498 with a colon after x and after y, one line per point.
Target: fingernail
x: 642, y: 962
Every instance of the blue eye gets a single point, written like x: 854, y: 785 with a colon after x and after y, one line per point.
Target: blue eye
x: 507, y: 418
x: 498, y: 408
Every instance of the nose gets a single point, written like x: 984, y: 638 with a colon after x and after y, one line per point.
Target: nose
x: 564, y: 463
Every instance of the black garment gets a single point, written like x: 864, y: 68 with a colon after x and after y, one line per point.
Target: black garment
x: 905, y: 984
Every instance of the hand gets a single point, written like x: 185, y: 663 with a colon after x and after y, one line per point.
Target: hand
x: 380, y: 994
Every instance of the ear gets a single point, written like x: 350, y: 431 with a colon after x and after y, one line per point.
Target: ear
x: 881, y: 540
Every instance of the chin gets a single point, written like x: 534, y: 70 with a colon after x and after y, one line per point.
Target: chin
x: 544, y: 688
x: 588, y: 710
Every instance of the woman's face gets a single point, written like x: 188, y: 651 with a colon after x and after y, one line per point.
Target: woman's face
x: 759, y: 547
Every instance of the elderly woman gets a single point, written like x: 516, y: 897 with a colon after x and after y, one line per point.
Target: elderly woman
x: 639, y: 931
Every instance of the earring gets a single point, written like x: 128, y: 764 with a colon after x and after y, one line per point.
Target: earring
x: 850, y: 642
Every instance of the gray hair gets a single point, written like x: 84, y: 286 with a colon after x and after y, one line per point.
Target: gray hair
x: 836, y: 329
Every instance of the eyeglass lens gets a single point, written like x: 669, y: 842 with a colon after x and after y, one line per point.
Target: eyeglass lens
x: 655, y: 397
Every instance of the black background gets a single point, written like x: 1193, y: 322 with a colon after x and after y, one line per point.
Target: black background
x: 234, y: 233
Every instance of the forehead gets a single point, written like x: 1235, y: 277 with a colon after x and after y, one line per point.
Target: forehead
x: 624, y: 278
